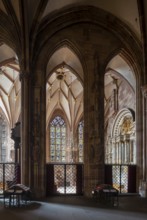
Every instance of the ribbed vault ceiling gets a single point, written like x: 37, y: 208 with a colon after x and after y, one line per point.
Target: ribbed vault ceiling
x: 9, y: 84
x: 65, y: 94
x: 126, y: 10
x: 118, y: 71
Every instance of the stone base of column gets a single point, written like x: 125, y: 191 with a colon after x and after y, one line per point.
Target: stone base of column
x: 90, y: 184
x: 88, y: 192
x: 143, y: 189
x: 38, y: 194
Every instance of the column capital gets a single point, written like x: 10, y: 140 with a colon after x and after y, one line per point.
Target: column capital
x: 144, y: 91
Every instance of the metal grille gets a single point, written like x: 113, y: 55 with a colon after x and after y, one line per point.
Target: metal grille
x: 64, y: 179
x: 59, y: 178
x: 120, y: 177
x: 1, y: 179
x: 124, y: 179
x: 70, y: 179
x: 116, y: 177
x: 9, y: 175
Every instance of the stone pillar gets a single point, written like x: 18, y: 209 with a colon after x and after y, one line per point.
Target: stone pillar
x: 33, y: 134
x: 134, y: 150
x: 38, y: 136
x: 125, y: 149
x: 117, y: 152
x: 143, y: 183
x: 128, y: 150
x: 120, y: 160
x: 25, y: 116
x: 113, y: 151
x: 93, y: 126
x: 144, y: 92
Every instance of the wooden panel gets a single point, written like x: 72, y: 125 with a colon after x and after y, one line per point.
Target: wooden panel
x: 50, y: 188
x: 79, y: 179
x: 132, y: 179
x: 108, y: 174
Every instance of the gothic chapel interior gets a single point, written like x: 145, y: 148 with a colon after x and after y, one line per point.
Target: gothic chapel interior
x: 73, y: 95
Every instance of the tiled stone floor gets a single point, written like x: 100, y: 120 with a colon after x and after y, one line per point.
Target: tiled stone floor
x: 77, y: 208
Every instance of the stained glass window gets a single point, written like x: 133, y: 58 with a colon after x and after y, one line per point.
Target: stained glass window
x: 3, y: 138
x: 57, y: 140
x: 80, y: 140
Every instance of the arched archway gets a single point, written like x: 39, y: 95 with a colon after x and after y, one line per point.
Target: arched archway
x: 120, y: 93
x: 64, y: 93
x: 123, y: 138
x: 120, y: 122
x: 10, y: 110
x: 49, y: 40
x: 10, y: 91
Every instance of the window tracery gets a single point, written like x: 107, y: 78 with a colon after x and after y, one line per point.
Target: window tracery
x: 3, y: 139
x: 57, y: 140
x: 80, y: 140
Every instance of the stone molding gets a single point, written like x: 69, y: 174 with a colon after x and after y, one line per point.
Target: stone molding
x: 144, y: 91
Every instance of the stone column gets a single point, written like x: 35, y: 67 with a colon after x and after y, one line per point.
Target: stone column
x: 117, y: 147
x: 122, y: 152
x: 25, y: 118
x: 120, y: 159
x: 134, y: 150
x: 33, y: 134
x: 118, y: 152
x: 93, y: 126
x: 125, y: 149
x: 143, y: 184
x: 144, y: 92
x: 38, y: 136
x: 113, y: 151
x: 128, y: 150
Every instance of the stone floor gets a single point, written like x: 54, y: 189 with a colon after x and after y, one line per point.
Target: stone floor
x: 77, y: 208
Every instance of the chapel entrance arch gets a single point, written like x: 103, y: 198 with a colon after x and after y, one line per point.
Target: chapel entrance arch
x: 64, y: 130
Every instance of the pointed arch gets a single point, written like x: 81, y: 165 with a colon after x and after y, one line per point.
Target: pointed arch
x: 64, y: 52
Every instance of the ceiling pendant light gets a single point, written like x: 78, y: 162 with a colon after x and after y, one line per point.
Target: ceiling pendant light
x: 60, y: 73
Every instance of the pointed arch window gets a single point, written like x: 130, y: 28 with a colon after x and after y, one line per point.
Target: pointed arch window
x: 80, y: 140
x: 57, y: 140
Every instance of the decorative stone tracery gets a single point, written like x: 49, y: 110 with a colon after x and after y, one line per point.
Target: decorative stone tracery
x: 122, y: 142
